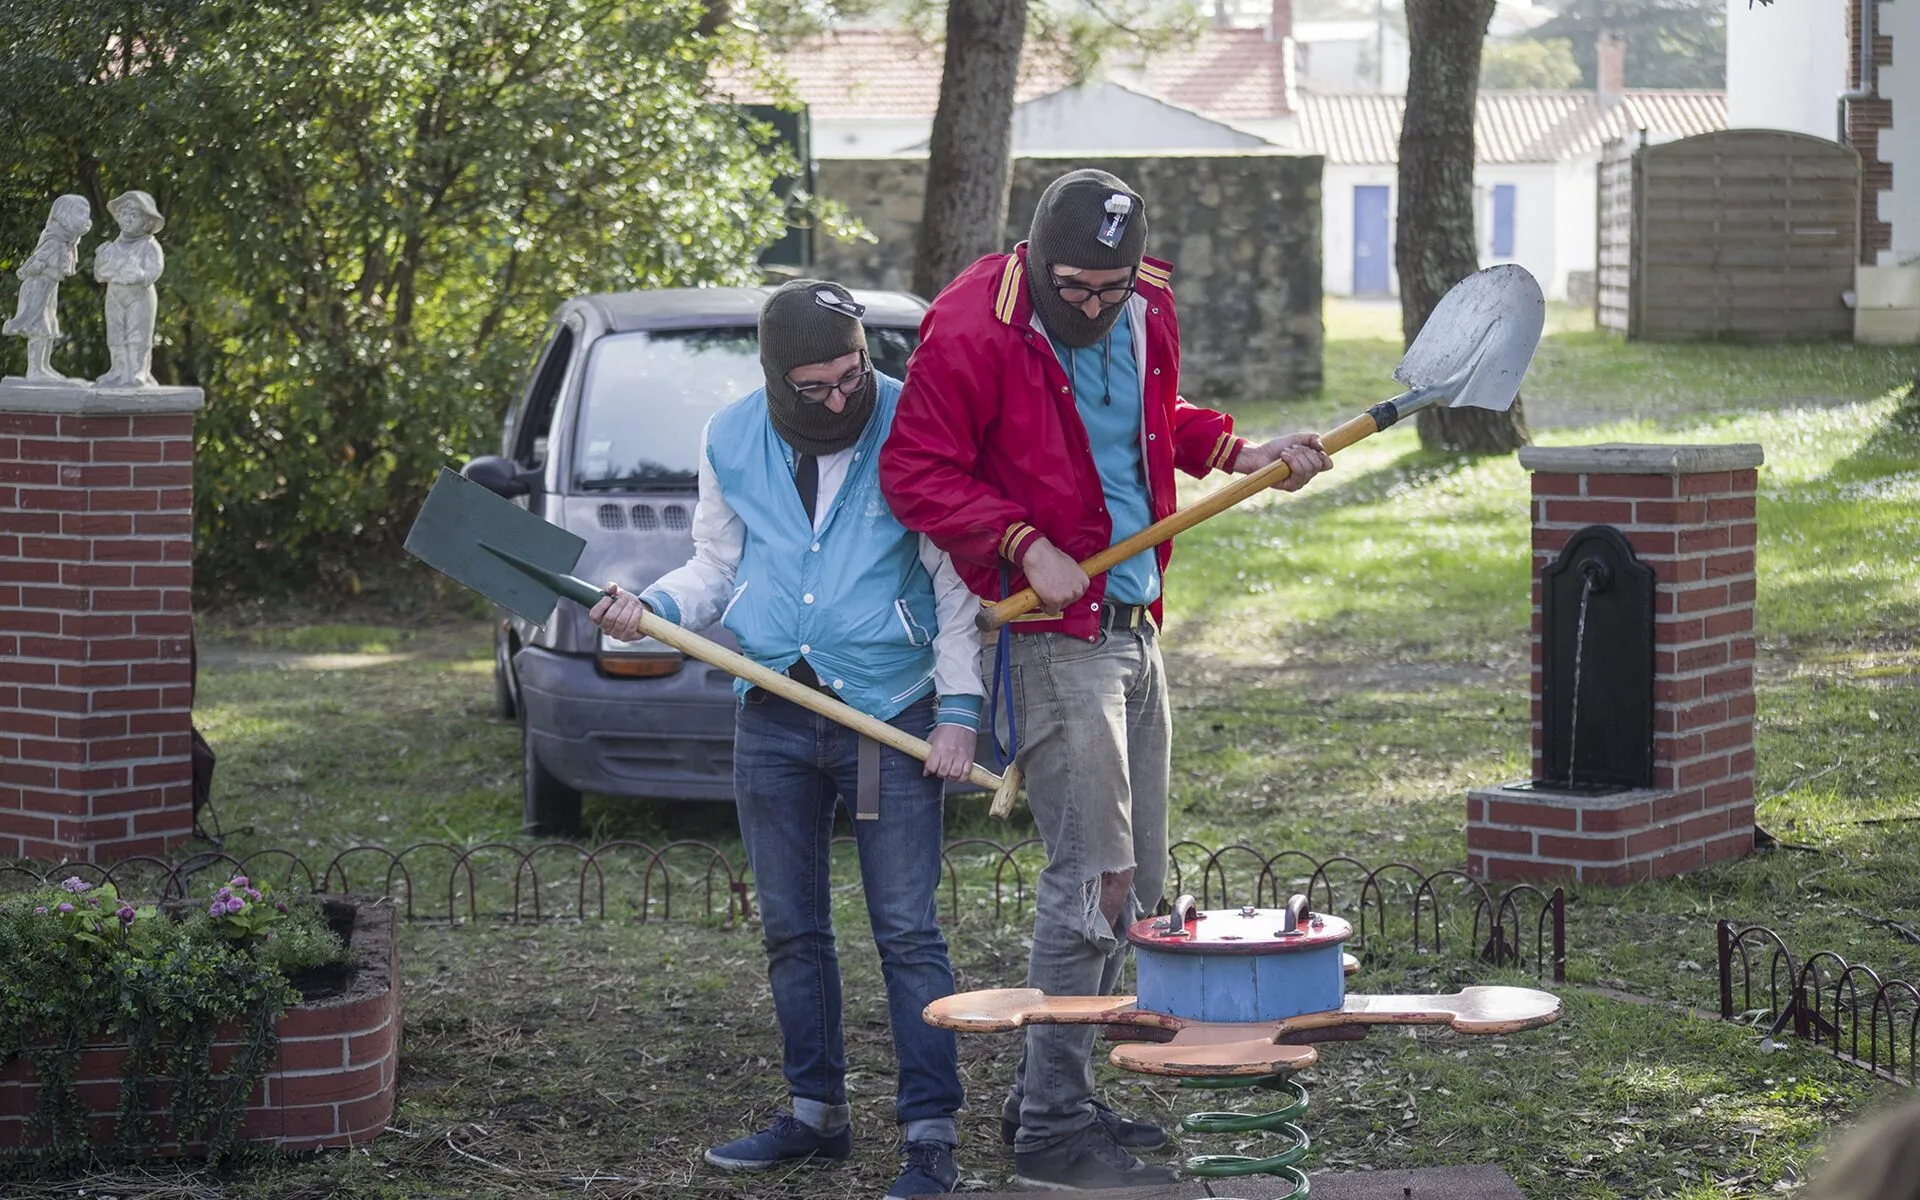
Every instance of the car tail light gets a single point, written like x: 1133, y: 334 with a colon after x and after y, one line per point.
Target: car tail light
x: 640, y: 659
x: 636, y: 666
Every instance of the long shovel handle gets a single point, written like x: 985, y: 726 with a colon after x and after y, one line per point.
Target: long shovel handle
x: 1003, y: 787
x: 993, y: 616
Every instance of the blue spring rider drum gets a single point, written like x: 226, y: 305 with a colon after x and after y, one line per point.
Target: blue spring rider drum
x: 1237, y: 965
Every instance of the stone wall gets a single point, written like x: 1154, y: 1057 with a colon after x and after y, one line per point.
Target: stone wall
x: 1242, y: 232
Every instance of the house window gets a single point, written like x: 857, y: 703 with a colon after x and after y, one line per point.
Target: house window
x: 1503, y: 220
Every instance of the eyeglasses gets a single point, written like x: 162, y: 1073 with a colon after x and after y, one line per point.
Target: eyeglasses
x: 846, y: 385
x: 1077, y: 294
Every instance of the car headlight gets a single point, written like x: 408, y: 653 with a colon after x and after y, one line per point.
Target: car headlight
x: 642, y: 658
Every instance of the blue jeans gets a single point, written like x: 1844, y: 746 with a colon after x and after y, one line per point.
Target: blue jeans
x: 790, y: 767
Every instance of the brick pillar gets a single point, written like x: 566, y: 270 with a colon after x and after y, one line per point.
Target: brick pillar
x: 1688, y: 512
x: 96, y: 577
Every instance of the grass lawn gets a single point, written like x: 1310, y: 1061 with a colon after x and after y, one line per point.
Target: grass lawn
x: 1347, y: 663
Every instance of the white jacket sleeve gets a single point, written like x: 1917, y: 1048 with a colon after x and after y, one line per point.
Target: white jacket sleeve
x: 694, y: 595
x: 956, y: 647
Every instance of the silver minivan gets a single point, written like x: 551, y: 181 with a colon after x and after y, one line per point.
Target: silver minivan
x: 605, y: 442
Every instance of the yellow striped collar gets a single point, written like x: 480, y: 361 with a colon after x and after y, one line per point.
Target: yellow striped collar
x: 1006, y: 298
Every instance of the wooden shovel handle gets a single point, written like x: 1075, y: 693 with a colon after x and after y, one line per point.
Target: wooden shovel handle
x: 694, y: 646
x: 993, y: 616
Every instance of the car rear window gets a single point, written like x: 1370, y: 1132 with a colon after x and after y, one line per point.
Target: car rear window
x: 646, y: 397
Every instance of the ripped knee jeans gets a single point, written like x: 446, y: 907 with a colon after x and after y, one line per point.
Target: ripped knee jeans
x: 1094, y: 734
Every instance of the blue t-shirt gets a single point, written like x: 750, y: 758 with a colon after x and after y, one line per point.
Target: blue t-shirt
x: 1106, y: 389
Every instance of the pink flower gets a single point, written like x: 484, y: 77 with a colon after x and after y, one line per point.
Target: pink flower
x: 125, y: 913
x: 73, y: 883
x: 39, y: 910
x: 235, y: 904
x: 238, y: 881
x: 64, y: 908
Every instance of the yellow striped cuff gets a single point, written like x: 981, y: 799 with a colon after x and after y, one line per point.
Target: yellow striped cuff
x: 1156, y: 276
x: 1014, y: 542
x: 1223, y: 453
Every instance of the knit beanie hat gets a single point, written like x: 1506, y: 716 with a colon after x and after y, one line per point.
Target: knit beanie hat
x: 811, y: 321
x: 1090, y: 220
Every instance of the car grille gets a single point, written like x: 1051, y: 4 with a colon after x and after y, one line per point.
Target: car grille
x: 643, y: 517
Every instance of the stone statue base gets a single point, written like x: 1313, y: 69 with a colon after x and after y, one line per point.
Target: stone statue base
x: 19, y: 394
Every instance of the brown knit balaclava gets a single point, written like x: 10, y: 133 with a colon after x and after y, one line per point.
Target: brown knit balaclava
x: 811, y: 321
x: 1068, y: 227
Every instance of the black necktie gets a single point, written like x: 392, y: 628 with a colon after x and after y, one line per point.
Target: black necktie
x: 807, y: 478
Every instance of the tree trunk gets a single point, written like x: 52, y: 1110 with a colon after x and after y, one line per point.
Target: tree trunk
x: 970, y: 155
x: 1434, y: 245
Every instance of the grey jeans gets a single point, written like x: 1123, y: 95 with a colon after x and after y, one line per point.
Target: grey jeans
x: 1095, y: 735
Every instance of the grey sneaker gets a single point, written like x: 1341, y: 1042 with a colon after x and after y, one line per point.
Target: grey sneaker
x: 1087, y: 1160
x: 1134, y: 1135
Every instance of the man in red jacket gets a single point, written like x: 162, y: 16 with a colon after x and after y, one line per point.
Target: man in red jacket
x: 1041, y: 422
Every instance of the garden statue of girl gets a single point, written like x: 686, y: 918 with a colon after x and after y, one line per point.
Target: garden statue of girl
x: 129, y: 266
x: 53, y: 259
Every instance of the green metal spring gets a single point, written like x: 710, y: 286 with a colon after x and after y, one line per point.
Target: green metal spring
x: 1279, y: 1121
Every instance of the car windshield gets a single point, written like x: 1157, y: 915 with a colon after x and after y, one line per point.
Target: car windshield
x: 646, y: 398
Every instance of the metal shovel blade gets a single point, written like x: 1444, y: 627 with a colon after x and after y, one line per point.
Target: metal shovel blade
x: 1476, y: 346
x: 468, y: 533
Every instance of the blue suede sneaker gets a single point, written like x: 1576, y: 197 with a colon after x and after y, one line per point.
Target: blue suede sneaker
x: 930, y: 1172
x: 786, y: 1141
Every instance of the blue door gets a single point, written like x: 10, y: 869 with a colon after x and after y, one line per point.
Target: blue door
x: 1372, y: 252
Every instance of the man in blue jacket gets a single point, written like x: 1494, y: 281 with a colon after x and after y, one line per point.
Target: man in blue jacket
x: 796, y: 552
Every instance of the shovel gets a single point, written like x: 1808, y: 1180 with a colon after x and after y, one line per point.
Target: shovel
x: 1471, y: 353
x: 523, y: 564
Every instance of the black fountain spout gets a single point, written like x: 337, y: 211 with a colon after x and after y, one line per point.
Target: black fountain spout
x: 1597, y: 667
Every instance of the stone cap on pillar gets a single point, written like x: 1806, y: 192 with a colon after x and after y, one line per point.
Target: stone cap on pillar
x: 1642, y: 458
x: 84, y: 400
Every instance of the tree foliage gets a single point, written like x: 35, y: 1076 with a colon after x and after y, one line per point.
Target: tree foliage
x: 1528, y: 65
x: 372, y: 208
x: 1670, y: 43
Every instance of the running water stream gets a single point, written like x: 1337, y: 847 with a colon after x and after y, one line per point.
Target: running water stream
x: 1579, y: 650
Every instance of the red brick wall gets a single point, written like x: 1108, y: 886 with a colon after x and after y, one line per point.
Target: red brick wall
x: 1697, y: 531
x: 1866, y: 119
x: 96, y: 577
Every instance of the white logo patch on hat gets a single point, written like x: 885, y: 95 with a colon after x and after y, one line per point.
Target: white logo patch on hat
x: 1114, y: 226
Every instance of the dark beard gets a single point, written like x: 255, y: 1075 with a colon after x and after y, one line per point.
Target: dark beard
x: 813, y: 428
x: 1065, y: 323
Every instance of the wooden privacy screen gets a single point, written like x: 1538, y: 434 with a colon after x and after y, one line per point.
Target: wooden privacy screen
x: 1741, y: 235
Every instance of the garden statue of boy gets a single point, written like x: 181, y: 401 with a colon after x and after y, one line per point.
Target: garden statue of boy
x: 57, y: 256
x: 130, y: 265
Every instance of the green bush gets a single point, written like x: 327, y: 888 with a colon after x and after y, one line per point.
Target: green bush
x: 82, y: 962
x: 372, y: 210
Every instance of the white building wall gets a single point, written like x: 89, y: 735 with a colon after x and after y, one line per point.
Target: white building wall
x: 864, y: 137
x: 1544, y: 229
x: 1336, y: 223
x: 1576, y: 202
x: 1107, y: 117
x: 1787, y: 65
x: 1900, y: 144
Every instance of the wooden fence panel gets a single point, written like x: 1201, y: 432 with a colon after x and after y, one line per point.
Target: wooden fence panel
x: 1744, y: 234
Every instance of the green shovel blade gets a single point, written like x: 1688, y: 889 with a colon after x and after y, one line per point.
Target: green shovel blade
x: 492, y: 545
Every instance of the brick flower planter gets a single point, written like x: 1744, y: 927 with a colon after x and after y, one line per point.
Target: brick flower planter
x: 332, y: 1080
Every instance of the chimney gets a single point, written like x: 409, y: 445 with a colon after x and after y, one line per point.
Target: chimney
x: 1609, y: 64
x: 1280, y: 23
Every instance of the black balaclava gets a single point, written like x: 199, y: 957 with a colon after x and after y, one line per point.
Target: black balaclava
x: 811, y: 321
x: 1074, y: 214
